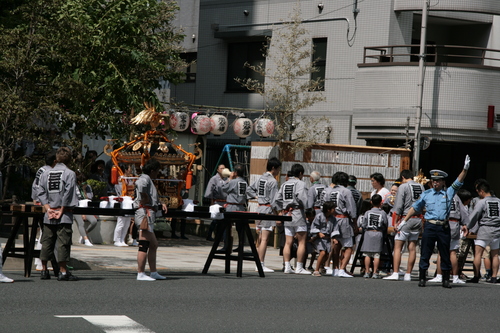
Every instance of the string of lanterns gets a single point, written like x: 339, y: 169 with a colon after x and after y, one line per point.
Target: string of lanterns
x: 218, y: 124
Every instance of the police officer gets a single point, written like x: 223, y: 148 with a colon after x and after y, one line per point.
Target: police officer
x: 437, y: 203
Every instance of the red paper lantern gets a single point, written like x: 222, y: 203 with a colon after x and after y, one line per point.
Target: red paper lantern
x: 179, y: 121
x: 243, y: 127
x: 264, y: 127
x: 200, y: 124
x: 219, y: 124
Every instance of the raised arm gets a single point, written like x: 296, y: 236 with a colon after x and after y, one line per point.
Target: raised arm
x: 463, y: 174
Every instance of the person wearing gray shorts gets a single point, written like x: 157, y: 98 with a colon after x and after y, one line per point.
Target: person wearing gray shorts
x: 264, y: 190
x: 408, y: 193
x: 487, y: 214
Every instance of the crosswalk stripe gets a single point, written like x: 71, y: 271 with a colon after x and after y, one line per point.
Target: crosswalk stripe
x: 113, y: 324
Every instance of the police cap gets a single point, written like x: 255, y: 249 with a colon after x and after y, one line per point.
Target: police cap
x: 438, y: 174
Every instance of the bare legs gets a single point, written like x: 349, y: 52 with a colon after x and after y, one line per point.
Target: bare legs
x: 150, y: 255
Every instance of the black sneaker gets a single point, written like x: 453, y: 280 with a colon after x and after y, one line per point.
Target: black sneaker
x: 66, y: 277
x: 473, y: 280
x: 485, y: 277
x: 45, y: 275
x: 492, y: 280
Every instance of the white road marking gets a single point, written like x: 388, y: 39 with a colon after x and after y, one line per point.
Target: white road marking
x: 114, y: 324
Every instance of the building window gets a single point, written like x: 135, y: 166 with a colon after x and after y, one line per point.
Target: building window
x: 238, y: 55
x: 319, y: 60
x: 190, y: 70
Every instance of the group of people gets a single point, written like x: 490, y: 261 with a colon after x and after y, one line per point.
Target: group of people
x: 333, y: 217
x: 329, y: 219
x: 58, y: 189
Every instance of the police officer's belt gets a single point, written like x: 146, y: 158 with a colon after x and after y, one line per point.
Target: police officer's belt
x: 436, y: 222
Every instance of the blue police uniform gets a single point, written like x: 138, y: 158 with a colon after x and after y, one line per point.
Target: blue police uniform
x: 436, y: 228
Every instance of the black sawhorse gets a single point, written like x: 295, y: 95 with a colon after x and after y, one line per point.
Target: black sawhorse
x: 462, y: 255
x: 243, y: 219
x: 243, y: 230
x: 29, y: 236
x: 358, y: 256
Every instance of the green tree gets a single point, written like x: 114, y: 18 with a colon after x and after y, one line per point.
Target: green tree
x: 70, y: 68
x: 26, y: 97
x: 288, y: 87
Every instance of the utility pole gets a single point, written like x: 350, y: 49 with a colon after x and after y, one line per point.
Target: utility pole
x: 421, y: 77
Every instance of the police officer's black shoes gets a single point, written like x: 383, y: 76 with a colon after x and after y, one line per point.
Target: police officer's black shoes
x: 446, y: 279
x: 422, y: 277
x: 45, y: 275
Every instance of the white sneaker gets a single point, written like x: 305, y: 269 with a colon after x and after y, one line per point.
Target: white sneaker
x: 134, y: 243
x: 80, y: 241
x: 157, y: 276
x: 328, y: 271
x: 289, y: 271
x: 335, y: 272
x: 5, y: 279
x: 123, y: 244
x: 144, y: 277
x: 407, y: 277
x: 265, y: 269
x: 343, y: 273
x: 438, y: 279
x: 393, y: 277
x: 117, y: 244
x: 457, y: 280
x: 302, y: 271
x: 88, y: 243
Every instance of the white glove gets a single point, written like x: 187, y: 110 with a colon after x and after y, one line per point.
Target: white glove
x: 467, y: 162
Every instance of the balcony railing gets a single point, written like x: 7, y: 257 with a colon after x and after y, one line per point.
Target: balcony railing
x: 436, y: 55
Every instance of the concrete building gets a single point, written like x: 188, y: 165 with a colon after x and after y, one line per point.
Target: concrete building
x: 371, y: 51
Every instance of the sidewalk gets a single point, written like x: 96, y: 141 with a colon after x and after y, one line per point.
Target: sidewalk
x: 174, y: 255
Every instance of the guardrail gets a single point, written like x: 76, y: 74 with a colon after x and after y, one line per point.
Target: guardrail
x: 436, y: 55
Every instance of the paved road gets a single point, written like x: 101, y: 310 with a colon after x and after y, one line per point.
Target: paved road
x: 223, y: 303
x: 191, y: 302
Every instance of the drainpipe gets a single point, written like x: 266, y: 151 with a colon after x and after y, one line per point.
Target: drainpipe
x: 421, y: 77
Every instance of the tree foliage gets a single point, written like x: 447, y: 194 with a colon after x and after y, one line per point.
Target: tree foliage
x: 70, y: 68
x: 288, y: 87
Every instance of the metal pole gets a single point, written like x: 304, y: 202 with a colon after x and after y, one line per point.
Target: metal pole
x: 421, y: 77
